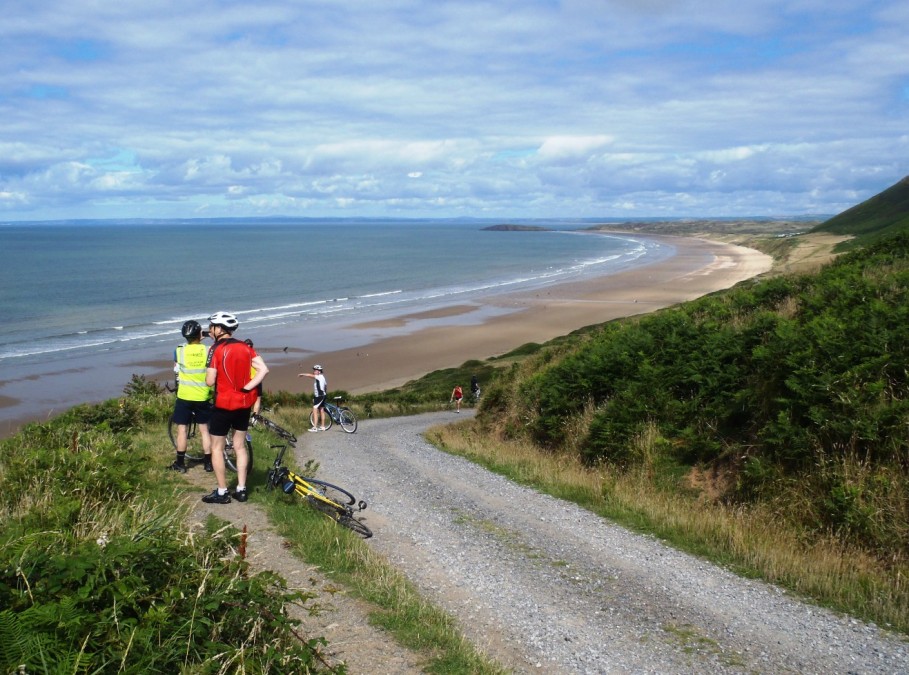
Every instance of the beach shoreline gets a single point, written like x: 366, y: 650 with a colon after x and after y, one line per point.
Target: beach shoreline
x: 390, y: 351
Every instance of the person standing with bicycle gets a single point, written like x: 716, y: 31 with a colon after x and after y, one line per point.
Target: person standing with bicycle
x: 320, y: 393
x: 230, y: 363
x: 193, y: 395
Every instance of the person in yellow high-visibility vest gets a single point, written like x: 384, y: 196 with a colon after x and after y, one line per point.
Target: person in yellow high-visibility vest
x: 193, y: 395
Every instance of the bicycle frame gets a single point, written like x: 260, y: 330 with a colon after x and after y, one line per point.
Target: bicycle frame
x: 256, y: 419
x: 315, y: 493
x: 334, y: 411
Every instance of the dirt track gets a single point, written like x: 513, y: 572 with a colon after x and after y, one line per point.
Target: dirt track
x: 543, y: 586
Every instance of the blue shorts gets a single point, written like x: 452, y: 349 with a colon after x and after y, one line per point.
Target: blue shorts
x: 184, y: 411
x: 223, y: 421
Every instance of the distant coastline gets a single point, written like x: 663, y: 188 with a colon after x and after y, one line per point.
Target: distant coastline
x: 516, y: 228
x: 408, y: 342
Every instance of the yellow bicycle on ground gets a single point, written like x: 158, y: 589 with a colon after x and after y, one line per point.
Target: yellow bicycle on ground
x: 336, y: 503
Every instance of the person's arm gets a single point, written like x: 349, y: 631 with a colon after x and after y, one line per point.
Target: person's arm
x: 211, y: 375
x: 261, y: 372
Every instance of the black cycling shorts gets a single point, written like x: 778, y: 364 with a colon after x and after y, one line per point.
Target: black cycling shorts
x: 184, y: 411
x: 223, y: 421
x: 319, y: 401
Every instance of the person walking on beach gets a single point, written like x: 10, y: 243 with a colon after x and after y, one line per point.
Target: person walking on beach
x: 228, y: 369
x: 193, y: 394
x: 320, y: 393
x: 456, y: 396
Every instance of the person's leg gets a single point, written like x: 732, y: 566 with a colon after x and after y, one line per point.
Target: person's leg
x: 218, y: 443
x: 181, y: 417
x: 242, y: 458
x: 181, y: 439
x: 315, y: 417
x: 218, y: 426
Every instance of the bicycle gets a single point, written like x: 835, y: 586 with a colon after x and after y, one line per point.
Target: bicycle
x: 331, y: 500
x: 194, y: 451
x: 337, y: 414
x: 256, y: 419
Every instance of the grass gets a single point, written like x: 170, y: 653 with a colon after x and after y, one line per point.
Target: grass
x: 753, y: 542
x: 398, y: 608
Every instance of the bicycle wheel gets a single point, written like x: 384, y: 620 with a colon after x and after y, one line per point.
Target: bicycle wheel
x: 328, y: 420
x: 230, y: 457
x: 332, y: 492
x: 347, y: 420
x: 330, y: 509
x: 193, y: 440
x: 352, y: 523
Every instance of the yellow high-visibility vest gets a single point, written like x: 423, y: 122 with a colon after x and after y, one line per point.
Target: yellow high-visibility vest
x: 191, y: 373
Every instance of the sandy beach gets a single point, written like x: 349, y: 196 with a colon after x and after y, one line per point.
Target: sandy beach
x: 421, y: 342
x: 374, y: 355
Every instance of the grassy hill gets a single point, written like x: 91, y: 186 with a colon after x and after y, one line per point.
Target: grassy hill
x: 883, y: 214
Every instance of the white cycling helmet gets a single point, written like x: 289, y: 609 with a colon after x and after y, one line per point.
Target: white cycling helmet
x: 228, y: 321
x: 317, y: 367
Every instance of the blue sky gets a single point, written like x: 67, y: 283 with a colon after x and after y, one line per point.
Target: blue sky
x: 406, y: 108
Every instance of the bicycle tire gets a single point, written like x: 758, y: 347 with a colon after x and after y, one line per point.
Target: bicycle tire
x: 355, y: 525
x: 275, y: 428
x: 332, y: 510
x: 328, y: 420
x: 193, y: 440
x: 347, y: 420
x: 332, y: 492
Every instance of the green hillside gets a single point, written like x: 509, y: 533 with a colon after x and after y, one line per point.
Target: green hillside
x: 786, y: 380
x: 883, y: 214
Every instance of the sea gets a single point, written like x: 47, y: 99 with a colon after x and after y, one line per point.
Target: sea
x: 89, y: 297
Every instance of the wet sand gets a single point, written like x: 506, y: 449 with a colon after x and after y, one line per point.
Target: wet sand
x: 449, y: 336
x: 390, y: 351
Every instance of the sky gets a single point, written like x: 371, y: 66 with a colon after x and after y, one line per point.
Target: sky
x: 441, y: 108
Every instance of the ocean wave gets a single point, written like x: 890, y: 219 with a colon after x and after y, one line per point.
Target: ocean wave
x: 24, y: 344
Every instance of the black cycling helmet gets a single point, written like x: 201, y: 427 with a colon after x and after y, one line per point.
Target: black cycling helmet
x: 191, y: 330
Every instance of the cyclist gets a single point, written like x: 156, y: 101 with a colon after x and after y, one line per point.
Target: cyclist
x: 228, y: 371
x: 457, y: 395
x: 193, y: 395
x: 320, y: 393
x: 475, y: 387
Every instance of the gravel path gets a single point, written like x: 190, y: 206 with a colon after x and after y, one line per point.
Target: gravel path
x: 544, y: 586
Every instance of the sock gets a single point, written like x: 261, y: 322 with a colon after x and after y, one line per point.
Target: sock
x: 222, y: 492
x: 241, y: 488
x: 181, y: 456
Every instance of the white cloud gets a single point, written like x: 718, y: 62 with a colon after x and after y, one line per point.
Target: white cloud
x: 510, y: 108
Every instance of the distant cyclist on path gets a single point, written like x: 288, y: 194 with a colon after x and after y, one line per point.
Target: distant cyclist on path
x: 456, y: 396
